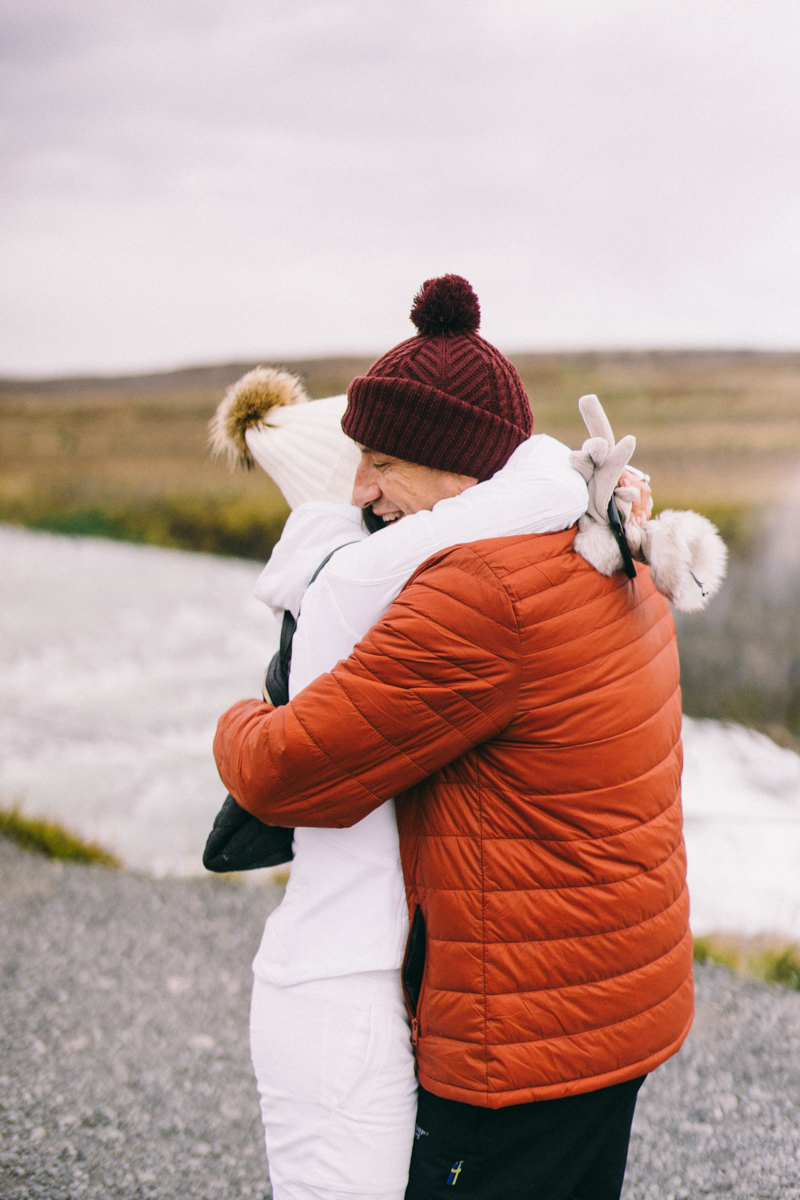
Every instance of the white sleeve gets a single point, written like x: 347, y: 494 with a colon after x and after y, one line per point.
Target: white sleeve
x: 537, y: 491
x: 309, y: 535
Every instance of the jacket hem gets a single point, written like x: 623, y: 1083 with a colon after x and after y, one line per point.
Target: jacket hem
x: 553, y: 1091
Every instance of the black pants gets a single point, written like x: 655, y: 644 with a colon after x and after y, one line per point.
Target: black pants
x: 573, y: 1148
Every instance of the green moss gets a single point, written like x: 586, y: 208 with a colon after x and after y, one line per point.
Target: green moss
x: 708, y: 950
x: 46, y: 837
x: 87, y: 522
x: 701, y: 950
x: 242, y: 526
x: 757, y: 957
x: 783, y: 967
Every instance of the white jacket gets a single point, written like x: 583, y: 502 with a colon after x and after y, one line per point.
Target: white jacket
x: 344, y: 910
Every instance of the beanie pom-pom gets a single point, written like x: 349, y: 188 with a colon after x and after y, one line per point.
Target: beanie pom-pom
x: 246, y: 404
x: 446, y: 305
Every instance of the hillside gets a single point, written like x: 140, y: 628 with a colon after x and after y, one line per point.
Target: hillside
x: 713, y: 428
x: 718, y: 431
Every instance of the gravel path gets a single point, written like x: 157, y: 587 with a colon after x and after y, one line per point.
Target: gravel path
x: 124, y: 1061
x: 124, y: 1065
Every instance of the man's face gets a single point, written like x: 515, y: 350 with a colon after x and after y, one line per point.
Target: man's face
x: 394, y: 488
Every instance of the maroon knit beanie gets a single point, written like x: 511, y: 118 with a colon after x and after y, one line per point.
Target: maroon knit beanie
x: 445, y: 398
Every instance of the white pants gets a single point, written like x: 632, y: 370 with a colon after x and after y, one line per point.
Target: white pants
x: 335, y: 1073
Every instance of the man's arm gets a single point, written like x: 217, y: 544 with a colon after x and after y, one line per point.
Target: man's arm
x: 436, y: 677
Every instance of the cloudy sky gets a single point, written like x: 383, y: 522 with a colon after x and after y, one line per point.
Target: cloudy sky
x: 189, y: 181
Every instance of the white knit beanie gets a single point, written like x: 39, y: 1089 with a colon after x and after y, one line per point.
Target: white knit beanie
x: 267, y: 417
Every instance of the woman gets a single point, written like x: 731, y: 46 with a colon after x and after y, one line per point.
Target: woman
x: 329, y: 1029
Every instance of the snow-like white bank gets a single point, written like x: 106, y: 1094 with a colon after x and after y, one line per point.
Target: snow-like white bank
x: 741, y: 800
x: 117, y: 660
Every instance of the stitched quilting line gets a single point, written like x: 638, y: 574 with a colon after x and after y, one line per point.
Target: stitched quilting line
x: 512, y: 605
x: 394, y: 746
x: 399, y: 631
x: 534, y: 748
x: 657, y: 1054
x: 567, y: 938
x: 484, y: 711
x: 554, y: 746
x: 600, y: 599
x: 567, y: 887
x: 414, y: 669
x: 420, y: 770
x: 483, y: 923
x: 329, y: 758
x: 578, y: 1033
x: 598, y: 839
x: 599, y: 659
x: 434, y: 588
x: 600, y: 688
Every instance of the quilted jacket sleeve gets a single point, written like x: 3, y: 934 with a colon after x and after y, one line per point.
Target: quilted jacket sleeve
x: 436, y: 677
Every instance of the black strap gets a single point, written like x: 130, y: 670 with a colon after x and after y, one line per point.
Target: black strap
x: 619, y: 533
x: 239, y: 841
x: 277, y: 678
x: 326, y: 560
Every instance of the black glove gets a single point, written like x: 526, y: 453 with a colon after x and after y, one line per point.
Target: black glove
x: 240, y: 842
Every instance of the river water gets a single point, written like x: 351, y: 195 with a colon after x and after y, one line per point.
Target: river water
x: 117, y: 660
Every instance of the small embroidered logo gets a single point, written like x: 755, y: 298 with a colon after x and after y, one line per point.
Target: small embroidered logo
x: 419, y: 1132
x: 455, y: 1171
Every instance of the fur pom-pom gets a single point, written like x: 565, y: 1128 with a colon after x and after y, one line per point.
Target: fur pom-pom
x: 688, y: 559
x: 446, y: 305
x: 246, y: 404
x: 597, y: 544
x: 686, y: 555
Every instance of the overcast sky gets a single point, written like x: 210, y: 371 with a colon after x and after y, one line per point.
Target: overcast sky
x: 188, y: 181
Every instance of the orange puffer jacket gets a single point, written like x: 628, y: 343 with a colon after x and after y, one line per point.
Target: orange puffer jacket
x: 525, y: 711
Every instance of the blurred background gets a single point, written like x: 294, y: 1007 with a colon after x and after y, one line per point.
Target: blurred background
x: 191, y: 189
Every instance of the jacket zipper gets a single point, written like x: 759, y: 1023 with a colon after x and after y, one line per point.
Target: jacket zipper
x: 414, y: 970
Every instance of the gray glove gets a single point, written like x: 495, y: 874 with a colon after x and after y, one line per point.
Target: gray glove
x: 686, y: 555
x: 600, y: 460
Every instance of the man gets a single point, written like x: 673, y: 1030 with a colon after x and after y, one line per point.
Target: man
x: 525, y: 713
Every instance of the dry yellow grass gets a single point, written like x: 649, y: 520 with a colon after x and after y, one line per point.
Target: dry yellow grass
x: 713, y: 429
x: 719, y: 432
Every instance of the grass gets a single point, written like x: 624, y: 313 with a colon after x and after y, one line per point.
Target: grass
x: 758, y: 957
x: 127, y: 458
x: 242, y: 526
x: 248, y: 526
x: 52, y: 840
x: 714, y: 428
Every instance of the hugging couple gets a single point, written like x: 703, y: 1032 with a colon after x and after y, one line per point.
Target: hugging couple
x: 484, y: 947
